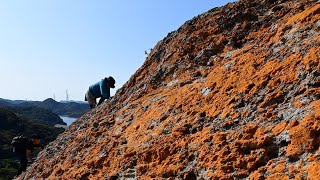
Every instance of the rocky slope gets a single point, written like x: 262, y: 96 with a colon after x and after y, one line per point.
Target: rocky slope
x: 233, y: 93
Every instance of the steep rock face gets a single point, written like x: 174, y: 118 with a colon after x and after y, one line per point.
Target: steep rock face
x: 233, y: 93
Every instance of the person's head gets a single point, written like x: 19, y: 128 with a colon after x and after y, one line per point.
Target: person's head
x: 36, y: 139
x: 110, y: 82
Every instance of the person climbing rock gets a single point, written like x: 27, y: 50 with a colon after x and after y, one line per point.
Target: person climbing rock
x: 100, y: 90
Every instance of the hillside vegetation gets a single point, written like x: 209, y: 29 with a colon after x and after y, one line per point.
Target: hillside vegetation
x: 14, y: 124
x: 66, y: 108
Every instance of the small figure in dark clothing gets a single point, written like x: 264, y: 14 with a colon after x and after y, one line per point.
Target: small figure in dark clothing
x: 21, y: 145
x: 26, y: 149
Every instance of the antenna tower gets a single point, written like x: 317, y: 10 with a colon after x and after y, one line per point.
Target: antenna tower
x: 67, y: 95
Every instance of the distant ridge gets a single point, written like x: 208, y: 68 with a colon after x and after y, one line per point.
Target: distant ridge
x: 66, y: 108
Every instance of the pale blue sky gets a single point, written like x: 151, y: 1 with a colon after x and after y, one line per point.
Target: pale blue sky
x: 48, y: 46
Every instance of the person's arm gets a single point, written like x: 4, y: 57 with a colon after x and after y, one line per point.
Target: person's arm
x: 105, y: 90
x: 101, y: 100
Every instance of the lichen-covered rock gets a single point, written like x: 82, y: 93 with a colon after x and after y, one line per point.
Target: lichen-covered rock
x: 233, y: 93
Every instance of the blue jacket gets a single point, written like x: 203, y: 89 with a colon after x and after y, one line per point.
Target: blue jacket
x: 100, y: 89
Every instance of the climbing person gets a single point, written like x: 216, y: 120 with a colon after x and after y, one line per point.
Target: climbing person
x: 100, y: 90
x: 22, y: 146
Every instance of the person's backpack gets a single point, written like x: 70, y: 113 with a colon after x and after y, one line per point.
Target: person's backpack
x: 20, y: 144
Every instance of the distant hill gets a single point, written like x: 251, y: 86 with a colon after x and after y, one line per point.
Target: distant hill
x: 70, y: 109
x: 32, y: 112
x: 66, y: 108
x: 4, y: 102
x: 39, y: 114
x: 11, y: 102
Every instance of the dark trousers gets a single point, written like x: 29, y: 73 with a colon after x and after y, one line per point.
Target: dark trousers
x: 23, y: 163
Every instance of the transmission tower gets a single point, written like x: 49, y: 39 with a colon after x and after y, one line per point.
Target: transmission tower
x: 67, y: 95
